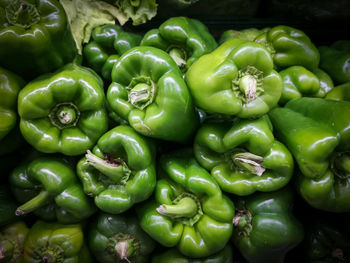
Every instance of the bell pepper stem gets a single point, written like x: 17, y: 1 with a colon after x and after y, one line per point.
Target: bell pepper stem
x: 6, y: 250
x: 49, y: 258
x: 179, y: 56
x: 21, y: 13
x: 186, y: 207
x: 124, y: 249
x: 116, y: 171
x: 38, y: 201
x: 243, y: 222
x: 249, y: 162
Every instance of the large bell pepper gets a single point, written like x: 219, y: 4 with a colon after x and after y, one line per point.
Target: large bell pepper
x: 244, y: 157
x: 340, y: 92
x: 265, y: 228
x: 317, y: 132
x: 48, y: 187
x: 53, y: 242
x: 188, y: 210
x: 290, y: 47
x: 120, y: 171
x: 12, y: 239
x: 149, y: 92
x: 174, y: 256
x: 63, y: 111
x: 335, y: 60
x: 237, y: 78
x: 185, y: 40
x: 119, y: 238
x: 108, y: 43
x: 299, y: 82
x: 34, y: 37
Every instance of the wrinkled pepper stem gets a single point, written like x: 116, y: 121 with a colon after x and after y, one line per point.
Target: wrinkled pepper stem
x: 142, y: 92
x: 186, y: 207
x: 21, y: 13
x: 249, y: 162
x: 49, y: 258
x: 64, y: 115
x: 179, y: 56
x: 6, y: 250
x: 124, y: 249
x: 243, y: 222
x: 117, y: 170
x: 38, y: 201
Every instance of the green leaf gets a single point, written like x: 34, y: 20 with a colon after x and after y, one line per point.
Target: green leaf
x: 140, y: 11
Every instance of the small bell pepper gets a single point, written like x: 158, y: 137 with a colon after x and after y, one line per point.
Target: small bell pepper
x: 174, y: 256
x: 290, y: 47
x: 335, y: 60
x: 340, y: 92
x: 326, y: 82
x: 12, y: 239
x: 317, y: 132
x: 120, y: 171
x: 53, y: 242
x: 119, y: 238
x: 237, y: 79
x: 34, y: 37
x: 265, y: 228
x: 297, y: 82
x: 188, y: 210
x: 8, y: 206
x: 108, y: 43
x: 48, y: 187
x: 248, y: 34
x: 63, y: 111
x: 149, y: 92
x: 244, y: 157
x: 185, y: 40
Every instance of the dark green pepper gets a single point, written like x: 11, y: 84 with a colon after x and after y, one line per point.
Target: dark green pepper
x: 8, y: 206
x: 63, y: 111
x: 185, y: 40
x: 121, y: 170
x: 48, y: 187
x: 149, y: 92
x: 108, y: 43
x: 34, y: 37
x: 265, y: 228
x: 119, y: 238
x: 244, y: 157
x: 188, y: 211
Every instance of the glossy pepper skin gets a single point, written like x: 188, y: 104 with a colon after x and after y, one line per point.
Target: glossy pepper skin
x: 8, y: 206
x: 119, y: 238
x: 149, y: 92
x: 289, y: 47
x: 340, y: 92
x: 53, y: 242
x: 48, y: 187
x: 317, y: 133
x: 10, y: 85
x: 335, y: 60
x: 12, y: 237
x: 244, y: 157
x: 265, y: 228
x: 121, y: 170
x: 188, y: 210
x: 107, y: 44
x: 237, y: 79
x: 246, y: 34
x: 326, y: 82
x: 174, y: 256
x: 41, y: 27
x: 183, y: 38
x: 298, y: 82
x: 64, y: 111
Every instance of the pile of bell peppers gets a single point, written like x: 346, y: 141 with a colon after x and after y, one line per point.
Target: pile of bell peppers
x: 170, y: 146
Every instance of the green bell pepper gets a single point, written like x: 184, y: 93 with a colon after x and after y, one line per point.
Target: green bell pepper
x: 121, y: 170
x: 340, y: 92
x: 53, y: 242
x: 119, y: 238
x: 297, y: 82
x: 335, y: 60
x: 188, y: 210
x: 185, y: 40
x: 317, y: 132
x: 290, y: 47
x: 249, y: 34
x: 34, y: 37
x: 8, y: 206
x: 326, y: 82
x: 244, y: 157
x: 108, y: 43
x: 235, y: 79
x: 12, y: 239
x: 48, y: 187
x: 63, y: 111
x: 265, y: 228
x: 149, y: 92
x: 174, y: 256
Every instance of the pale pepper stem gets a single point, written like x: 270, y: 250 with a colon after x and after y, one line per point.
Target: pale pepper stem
x: 248, y: 85
x: 249, y: 162
x: 122, y: 249
x: 186, y: 207
x: 178, y: 56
